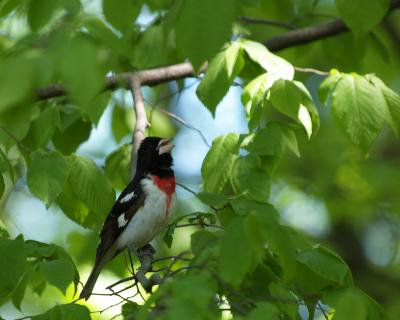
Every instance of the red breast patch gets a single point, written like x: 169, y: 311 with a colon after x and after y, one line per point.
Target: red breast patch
x: 167, y: 185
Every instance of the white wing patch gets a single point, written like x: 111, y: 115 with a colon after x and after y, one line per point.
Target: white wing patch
x: 127, y: 197
x: 121, y: 220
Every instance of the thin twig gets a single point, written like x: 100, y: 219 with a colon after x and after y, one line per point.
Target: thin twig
x: 186, y: 188
x: 311, y: 70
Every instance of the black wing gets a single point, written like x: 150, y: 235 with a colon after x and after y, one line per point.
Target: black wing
x: 127, y: 204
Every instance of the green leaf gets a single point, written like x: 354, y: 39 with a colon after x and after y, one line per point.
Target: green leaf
x: 130, y: 309
x: 19, y: 292
x: 59, y: 273
x: 253, y: 97
x: 392, y: 102
x: 270, y: 62
x: 40, y: 12
x: 361, y: 16
x: 327, y: 86
x: 237, y: 242
x: 95, y: 109
x: 220, y: 73
x: 65, y: 312
x: 287, y: 97
x: 12, y: 266
x: 7, y: 164
x: 249, y: 179
x: 4, y: 233
x: 42, y: 128
x: 2, y: 186
x: 264, y: 310
x: 81, y: 69
x: 273, y: 140
x: 212, y: 199
x: 69, y: 138
x: 202, y: 28
x: 120, y: 127
x: 325, y: 264
x: 16, y: 82
x: 358, y: 109
x: 121, y: 13
x: 90, y: 186
x: 218, y: 161
x: 202, y: 240
x: 47, y: 174
x: 118, y: 166
x: 8, y: 6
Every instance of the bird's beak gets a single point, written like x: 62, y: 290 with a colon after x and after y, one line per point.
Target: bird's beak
x: 165, y: 146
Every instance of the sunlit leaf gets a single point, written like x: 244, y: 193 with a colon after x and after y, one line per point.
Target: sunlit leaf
x: 219, y: 159
x: 359, y: 109
x: 269, y: 61
x: 221, y: 72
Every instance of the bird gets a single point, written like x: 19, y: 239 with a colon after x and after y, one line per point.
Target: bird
x: 142, y: 209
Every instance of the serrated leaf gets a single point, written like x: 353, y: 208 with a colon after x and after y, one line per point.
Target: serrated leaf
x: 361, y: 16
x: 212, y: 199
x: 270, y: 62
x: 253, y: 97
x: 40, y: 12
x: 325, y: 264
x: 12, y: 266
x: 287, y: 97
x: 90, y: 186
x: 273, y: 140
x: 392, y: 116
x: 65, y: 312
x: 212, y: 28
x: 218, y: 161
x: 249, y: 179
x: 327, y: 86
x: 59, y: 273
x: 47, y: 174
x: 220, y: 73
x: 358, y: 109
x: 121, y: 13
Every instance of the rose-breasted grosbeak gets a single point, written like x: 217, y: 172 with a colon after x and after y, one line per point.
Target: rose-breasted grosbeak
x: 142, y: 210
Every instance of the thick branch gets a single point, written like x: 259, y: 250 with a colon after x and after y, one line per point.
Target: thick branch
x: 306, y: 35
x: 312, y: 33
x: 155, y: 76
x: 146, y: 261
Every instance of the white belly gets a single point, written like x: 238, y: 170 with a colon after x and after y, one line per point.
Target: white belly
x: 149, y: 220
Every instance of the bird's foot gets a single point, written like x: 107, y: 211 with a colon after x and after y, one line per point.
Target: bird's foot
x: 146, y: 250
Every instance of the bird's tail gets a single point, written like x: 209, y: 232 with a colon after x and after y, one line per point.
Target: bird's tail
x: 91, y: 281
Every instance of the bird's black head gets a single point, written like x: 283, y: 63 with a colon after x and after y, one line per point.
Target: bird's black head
x: 154, y: 156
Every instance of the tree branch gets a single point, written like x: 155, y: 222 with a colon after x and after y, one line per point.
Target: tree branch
x: 268, y: 22
x: 312, y: 33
